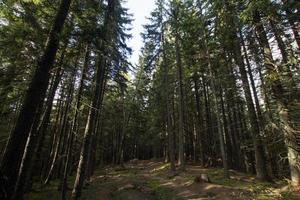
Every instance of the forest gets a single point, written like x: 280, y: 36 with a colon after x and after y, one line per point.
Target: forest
x: 211, y: 110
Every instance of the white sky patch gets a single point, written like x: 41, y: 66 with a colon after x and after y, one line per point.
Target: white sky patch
x: 140, y: 9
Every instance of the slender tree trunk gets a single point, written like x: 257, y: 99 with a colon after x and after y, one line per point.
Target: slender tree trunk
x: 261, y: 119
x: 218, y: 116
x: 36, y: 136
x: 231, y: 96
x: 181, y: 159
x: 74, y: 126
x: 31, y: 146
x: 232, y: 121
x: 260, y: 157
x: 53, y: 140
x: 208, y: 119
x: 42, y: 130
x: 170, y: 130
x: 61, y: 142
x: 96, y: 132
x: 91, y: 122
x: 24, y: 172
x: 218, y: 119
x: 199, y: 120
x: 228, y: 139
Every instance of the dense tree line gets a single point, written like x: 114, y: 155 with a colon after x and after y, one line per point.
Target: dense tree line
x: 227, y: 75
x: 217, y: 83
x: 67, y: 52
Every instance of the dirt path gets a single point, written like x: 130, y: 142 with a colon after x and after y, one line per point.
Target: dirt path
x: 148, y: 180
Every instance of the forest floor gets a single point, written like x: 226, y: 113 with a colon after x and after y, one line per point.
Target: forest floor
x: 151, y: 180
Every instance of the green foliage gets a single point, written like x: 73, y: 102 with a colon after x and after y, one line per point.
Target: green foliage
x: 208, y: 37
x: 287, y: 196
x: 160, y: 192
x: 32, y: 1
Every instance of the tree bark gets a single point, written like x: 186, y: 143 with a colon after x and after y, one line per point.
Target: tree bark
x: 199, y: 120
x: 218, y: 119
x: 181, y: 159
x: 91, y: 121
x: 169, y: 128
x: 63, y: 130
x: 33, y: 141
x: 260, y: 158
x: 73, y: 129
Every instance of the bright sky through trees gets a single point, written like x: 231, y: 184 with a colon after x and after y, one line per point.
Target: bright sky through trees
x: 140, y: 9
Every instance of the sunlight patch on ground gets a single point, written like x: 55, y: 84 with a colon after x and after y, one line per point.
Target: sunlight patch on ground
x: 160, y: 168
x: 149, y: 180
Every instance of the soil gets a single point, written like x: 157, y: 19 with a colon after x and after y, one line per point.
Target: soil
x: 152, y: 180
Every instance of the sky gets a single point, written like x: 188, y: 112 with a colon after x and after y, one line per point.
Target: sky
x: 140, y: 9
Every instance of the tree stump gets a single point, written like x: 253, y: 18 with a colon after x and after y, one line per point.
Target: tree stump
x: 203, y: 178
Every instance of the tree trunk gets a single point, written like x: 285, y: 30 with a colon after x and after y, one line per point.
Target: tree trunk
x: 261, y: 119
x: 96, y: 132
x: 74, y: 126
x: 218, y: 119
x: 32, y: 144
x: 91, y: 121
x: 228, y: 139
x: 170, y: 131
x: 208, y: 120
x: 181, y: 159
x: 199, y: 120
x: 63, y: 130
x: 260, y: 157
x: 37, y: 135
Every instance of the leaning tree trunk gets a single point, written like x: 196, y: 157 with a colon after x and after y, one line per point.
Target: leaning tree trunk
x: 37, y: 135
x: 62, y: 130
x: 34, y: 97
x: 94, y: 143
x: 260, y: 117
x: 260, y: 158
x: 86, y: 146
x: 32, y: 144
x: 73, y: 129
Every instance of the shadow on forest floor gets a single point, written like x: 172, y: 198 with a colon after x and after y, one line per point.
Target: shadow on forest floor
x: 151, y: 180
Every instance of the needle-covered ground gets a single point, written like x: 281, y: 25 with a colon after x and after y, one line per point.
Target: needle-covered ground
x: 151, y: 180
